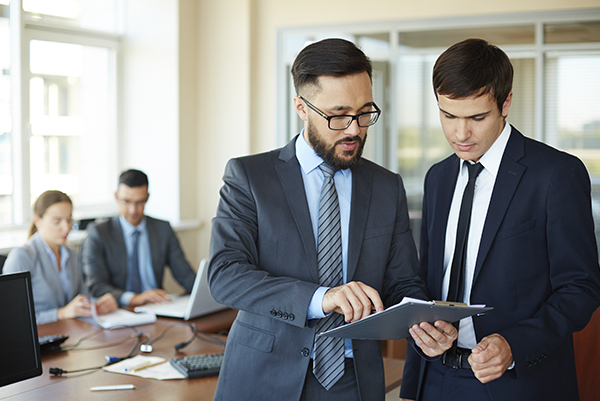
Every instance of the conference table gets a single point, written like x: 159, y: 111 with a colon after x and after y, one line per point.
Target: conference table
x: 96, y: 343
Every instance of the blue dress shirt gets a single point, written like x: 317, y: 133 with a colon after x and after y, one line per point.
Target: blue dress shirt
x: 63, y: 273
x: 313, y: 181
x: 144, y: 256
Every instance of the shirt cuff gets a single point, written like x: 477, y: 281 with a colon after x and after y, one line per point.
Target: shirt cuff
x: 126, y: 298
x: 315, y: 309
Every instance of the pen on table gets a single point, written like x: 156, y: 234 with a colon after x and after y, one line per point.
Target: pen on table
x: 114, y: 387
x: 148, y: 366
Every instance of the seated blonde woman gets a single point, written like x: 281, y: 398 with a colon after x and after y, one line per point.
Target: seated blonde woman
x: 59, y: 291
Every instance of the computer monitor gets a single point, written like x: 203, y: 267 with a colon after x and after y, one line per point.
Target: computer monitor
x: 19, y: 344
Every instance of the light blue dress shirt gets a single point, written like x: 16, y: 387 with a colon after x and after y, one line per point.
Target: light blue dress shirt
x: 313, y: 181
x: 65, y: 277
x: 144, y: 256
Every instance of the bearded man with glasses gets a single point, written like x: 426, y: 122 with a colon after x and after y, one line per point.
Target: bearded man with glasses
x: 309, y: 236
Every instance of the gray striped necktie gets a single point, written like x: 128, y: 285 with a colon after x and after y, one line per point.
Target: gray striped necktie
x: 328, y: 364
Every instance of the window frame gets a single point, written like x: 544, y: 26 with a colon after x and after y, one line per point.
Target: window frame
x: 23, y: 31
x: 286, y: 120
x: 386, y: 141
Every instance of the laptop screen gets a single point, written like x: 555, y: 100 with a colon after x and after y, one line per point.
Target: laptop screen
x: 19, y: 345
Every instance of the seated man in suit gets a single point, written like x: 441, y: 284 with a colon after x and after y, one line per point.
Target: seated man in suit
x: 126, y: 255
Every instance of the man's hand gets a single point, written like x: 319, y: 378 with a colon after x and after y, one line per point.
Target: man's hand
x: 490, y: 358
x: 434, y: 339
x: 149, y: 297
x: 79, y: 306
x: 354, y: 300
x: 106, y: 304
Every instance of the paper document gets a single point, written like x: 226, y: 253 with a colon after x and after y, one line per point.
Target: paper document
x: 394, y: 322
x: 149, y: 367
x: 119, y: 318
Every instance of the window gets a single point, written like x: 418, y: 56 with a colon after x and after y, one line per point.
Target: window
x: 6, y: 178
x: 58, y: 102
x: 556, y: 57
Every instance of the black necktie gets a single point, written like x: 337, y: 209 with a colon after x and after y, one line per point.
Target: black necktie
x: 457, y: 274
x: 134, y: 281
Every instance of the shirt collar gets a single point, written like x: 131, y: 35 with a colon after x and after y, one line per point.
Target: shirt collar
x: 307, y: 157
x: 129, y: 228
x: 492, y: 158
x: 64, y: 253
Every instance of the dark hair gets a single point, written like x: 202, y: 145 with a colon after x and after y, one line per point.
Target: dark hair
x: 335, y: 57
x: 473, y: 67
x: 133, y: 178
x: 43, y: 202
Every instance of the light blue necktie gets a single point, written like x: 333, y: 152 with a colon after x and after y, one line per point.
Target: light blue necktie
x: 328, y: 364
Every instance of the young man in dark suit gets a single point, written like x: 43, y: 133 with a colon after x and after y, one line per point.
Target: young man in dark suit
x: 529, y: 250
x: 269, y: 245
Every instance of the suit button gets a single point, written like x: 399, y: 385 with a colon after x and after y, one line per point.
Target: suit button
x: 279, y: 313
x: 305, y: 352
x: 291, y: 316
x: 285, y: 315
x: 273, y: 312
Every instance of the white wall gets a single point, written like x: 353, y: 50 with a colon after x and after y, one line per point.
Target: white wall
x: 224, y: 95
x: 150, y: 102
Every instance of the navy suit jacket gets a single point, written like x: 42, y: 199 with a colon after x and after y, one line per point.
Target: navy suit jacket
x: 264, y: 263
x: 537, y: 266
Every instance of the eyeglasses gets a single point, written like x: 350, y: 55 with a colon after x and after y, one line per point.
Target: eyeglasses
x: 339, y: 123
x: 128, y: 203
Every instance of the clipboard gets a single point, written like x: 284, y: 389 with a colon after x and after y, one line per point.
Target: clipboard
x: 394, y: 322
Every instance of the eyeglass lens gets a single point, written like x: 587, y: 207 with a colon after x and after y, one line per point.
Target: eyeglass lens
x: 342, y: 122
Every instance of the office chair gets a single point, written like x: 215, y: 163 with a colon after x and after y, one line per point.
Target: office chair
x: 2, y: 260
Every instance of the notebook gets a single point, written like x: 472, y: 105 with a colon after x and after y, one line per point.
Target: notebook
x: 198, y: 303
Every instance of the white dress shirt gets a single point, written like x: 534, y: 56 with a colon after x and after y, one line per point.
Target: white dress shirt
x: 481, y: 201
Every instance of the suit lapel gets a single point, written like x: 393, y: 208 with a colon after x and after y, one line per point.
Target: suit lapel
x: 509, y: 176
x: 153, y: 239
x: 74, y: 267
x: 361, y: 200
x: 118, y: 237
x: 291, y: 181
x: 120, y: 258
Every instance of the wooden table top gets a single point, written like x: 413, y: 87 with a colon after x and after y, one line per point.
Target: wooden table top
x: 119, y: 342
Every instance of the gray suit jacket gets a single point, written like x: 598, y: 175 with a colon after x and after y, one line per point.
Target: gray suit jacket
x: 48, y: 293
x: 105, y: 257
x: 264, y: 262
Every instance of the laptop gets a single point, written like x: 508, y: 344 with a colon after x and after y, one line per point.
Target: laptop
x: 186, y: 307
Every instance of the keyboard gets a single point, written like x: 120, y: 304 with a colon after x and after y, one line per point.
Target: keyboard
x: 198, y: 365
x: 51, y: 343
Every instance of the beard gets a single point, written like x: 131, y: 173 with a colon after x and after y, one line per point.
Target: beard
x: 328, y: 153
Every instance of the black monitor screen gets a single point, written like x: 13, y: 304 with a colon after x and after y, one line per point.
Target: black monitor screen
x: 19, y: 345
